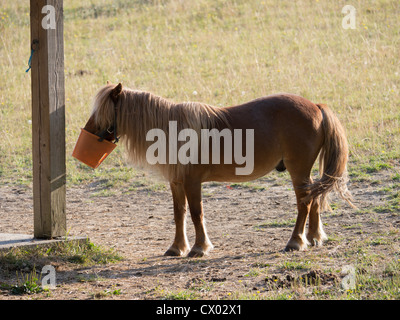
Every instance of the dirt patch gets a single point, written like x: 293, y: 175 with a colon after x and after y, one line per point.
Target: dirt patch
x: 310, y: 278
x: 249, y: 225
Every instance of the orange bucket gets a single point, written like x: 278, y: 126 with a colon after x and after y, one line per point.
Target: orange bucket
x: 90, y: 150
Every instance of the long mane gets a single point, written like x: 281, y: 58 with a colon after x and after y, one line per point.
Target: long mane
x: 138, y: 112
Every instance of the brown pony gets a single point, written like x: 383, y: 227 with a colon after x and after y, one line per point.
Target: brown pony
x: 289, y: 133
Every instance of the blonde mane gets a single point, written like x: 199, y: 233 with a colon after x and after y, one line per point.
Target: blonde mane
x: 138, y: 112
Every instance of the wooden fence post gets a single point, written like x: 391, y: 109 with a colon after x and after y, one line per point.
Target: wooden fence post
x: 48, y: 118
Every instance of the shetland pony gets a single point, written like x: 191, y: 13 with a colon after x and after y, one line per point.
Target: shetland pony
x: 289, y: 133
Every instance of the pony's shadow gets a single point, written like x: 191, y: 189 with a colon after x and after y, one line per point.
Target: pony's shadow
x: 161, y: 265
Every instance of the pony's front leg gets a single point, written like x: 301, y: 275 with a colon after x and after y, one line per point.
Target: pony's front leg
x: 202, y: 244
x: 180, y: 246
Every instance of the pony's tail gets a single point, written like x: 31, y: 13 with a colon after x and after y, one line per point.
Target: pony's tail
x: 332, y: 162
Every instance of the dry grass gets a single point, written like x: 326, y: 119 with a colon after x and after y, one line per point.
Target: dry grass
x: 219, y: 52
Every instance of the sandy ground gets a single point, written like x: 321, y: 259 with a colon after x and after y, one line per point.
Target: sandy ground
x: 249, y: 227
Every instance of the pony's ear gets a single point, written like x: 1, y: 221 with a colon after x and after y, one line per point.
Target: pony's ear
x: 116, y: 92
x: 108, y: 82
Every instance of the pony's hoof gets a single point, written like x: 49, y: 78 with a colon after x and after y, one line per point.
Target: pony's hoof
x: 295, y: 245
x: 174, y: 252
x: 195, y: 254
x: 291, y: 248
x: 198, y: 251
x: 317, y: 240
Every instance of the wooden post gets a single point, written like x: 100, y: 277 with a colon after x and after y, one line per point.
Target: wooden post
x: 48, y: 118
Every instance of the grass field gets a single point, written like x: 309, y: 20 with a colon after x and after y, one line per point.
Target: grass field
x: 219, y: 52
x: 227, y: 52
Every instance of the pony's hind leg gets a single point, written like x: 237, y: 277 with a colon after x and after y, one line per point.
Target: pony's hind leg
x: 298, y: 241
x: 299, y: 161
x: 202, y: 244
x: 315, y: 234
x: 180, y: 246
x: 300, y: 174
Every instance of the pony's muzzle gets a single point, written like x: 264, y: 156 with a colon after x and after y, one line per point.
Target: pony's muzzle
x: 90, y: 150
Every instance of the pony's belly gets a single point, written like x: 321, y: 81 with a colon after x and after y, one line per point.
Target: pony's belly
x: 225, y: 173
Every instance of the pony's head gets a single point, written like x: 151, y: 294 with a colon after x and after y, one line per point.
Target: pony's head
x: 102, y: 121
